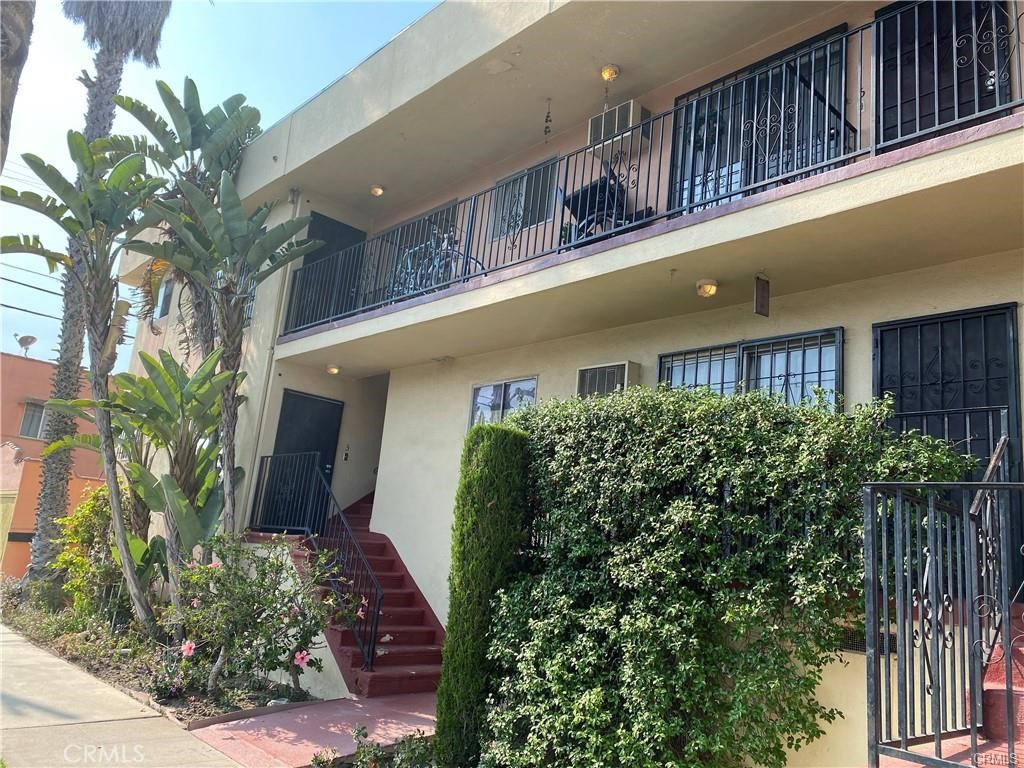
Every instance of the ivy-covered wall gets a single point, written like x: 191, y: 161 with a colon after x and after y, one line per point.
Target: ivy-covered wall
x: 702, y: 557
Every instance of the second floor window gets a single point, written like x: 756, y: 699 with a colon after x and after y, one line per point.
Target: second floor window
x: 33, y: 421
x: 793, y: 367
x: 493, y: 402
x: 601, y: 380
x: 523, y: 200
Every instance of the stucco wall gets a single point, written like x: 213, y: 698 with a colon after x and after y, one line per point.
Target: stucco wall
x: 428, y: 405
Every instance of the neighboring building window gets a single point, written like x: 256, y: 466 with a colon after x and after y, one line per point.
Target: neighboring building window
x: 791, y: 366
x: 492, y: 402
x: 523, y: 200
x: 33, y: 422
x: 601, y: 380
x: 713, y: 367
x: 166, y: 291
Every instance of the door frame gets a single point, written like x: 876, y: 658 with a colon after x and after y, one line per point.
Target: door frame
x: 1013, y: 366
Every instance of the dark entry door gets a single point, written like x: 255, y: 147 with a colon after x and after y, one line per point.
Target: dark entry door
x: 291, y: 495
x: 955, y: 376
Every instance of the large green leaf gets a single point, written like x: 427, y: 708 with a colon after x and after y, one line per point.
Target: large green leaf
x: 49, y: 207
x: 185, y: 517
x: 225, y: 144
x: 125, y: 170
x: 85, y: 442
x: 145, y: 484
x: 164, y: 384
x: 190, y: 101
x: 209, y: 216
x: 274, y: 238
x: 153, y: 123
x: 113, y: 148
x: 201, y: 378
x: 179, y: 118
x: 80, y: 153
x: 31, y: 244
x: 231, y: 209
x: 65, y: 191
x: 188, y: 234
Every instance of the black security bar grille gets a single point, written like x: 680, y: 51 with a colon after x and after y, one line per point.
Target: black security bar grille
x: 918, y: 70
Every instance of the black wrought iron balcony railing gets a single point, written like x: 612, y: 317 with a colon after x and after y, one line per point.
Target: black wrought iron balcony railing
x: 923, y: 69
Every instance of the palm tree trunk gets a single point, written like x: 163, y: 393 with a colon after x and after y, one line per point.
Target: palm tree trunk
x: 204, y: 324
x: 16, y: 18
x: 53, y: 493
x: 231, y: 323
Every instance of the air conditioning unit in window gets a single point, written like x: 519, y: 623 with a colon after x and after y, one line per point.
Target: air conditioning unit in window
x: 614, y: 124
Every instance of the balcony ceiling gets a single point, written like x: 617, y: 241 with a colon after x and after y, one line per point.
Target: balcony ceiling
x: 494, y: 107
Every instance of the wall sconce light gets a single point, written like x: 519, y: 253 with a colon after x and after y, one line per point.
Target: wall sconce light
x: 707, y: 288
x: 610, y: 72
x: 376, y: 190
x: 333, y: 370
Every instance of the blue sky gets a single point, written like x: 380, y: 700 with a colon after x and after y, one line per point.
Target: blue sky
x: 279, y: 54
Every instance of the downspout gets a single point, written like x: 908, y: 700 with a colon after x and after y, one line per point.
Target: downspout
x: 294, y: 199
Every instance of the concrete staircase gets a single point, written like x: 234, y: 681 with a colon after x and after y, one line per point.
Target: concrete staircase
x: 994, y: 685
x: 409, y: 636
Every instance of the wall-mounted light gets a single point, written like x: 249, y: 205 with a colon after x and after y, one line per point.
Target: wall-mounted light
x: 376, y: 190
x: 610, y: 72
x: 707, y: 288
x: 333, y: 370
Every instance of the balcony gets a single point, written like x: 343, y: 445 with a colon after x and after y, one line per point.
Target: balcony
x: 919, y: 71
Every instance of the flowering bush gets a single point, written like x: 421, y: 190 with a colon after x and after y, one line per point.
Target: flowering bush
x: 252, y: 612
x: 172, y: 672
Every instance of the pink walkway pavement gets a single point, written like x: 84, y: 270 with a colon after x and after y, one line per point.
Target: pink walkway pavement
x: 288, y: 739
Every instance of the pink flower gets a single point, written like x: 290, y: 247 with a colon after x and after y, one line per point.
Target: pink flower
x: 195, y: 602
x: 294, y: 611
x: 191, y: 564
x: 301, y: 658
x: 361, y: 613
x: 215, y: 565
x: 364, y: 602
x: 188, y: 648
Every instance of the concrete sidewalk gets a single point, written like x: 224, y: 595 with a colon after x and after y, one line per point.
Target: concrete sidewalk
x: 53, y: 714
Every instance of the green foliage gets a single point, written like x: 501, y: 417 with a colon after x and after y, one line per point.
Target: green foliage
x: 702, y: 560
x: 11, y: 594
x: 254, y: 610
x: 92, y: 576
x: 413, y: 751
x: 487, y: 535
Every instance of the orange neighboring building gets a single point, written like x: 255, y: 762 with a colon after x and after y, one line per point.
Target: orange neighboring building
x: 24, y: 389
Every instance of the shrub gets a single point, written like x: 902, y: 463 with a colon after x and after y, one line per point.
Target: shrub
x: 703, y: 559
x: 412, y: 751
x: 487, y: 534
x: 91, y: 574
x: 252, y: 611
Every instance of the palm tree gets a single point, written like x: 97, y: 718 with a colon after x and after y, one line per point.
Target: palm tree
x: 229, y: 254
x: 16, y: 31
x: 119, y: 30
x: 107, y: 208
x: 197, y: 149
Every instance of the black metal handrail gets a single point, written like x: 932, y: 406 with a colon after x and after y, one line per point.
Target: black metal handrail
x: 293, y: 496
x: 922, y: 69
x: 939, y: 591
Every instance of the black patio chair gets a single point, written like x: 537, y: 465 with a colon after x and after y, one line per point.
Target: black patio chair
x: 599, y: 207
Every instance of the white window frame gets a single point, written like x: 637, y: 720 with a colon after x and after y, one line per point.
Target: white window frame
x: 42, y: 420
x: 496, y: 383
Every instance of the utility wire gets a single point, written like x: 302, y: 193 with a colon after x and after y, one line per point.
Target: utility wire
x: 33, y: 287
x: 29, y: 311
x: 30, y: 271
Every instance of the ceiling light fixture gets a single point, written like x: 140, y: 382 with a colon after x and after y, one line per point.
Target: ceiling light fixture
x: 707, y: 288
x: 376, y: 190
x: 333, y: 370
x: 610, y: 72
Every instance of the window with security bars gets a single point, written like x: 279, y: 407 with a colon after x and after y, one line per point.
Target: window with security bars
x: 523, y: 200
x: 33, y: 421
x: 713, y: 367
x: 794, y: 367
x: 601, y: 380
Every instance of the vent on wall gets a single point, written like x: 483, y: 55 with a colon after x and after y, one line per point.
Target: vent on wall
x: 608, y: 125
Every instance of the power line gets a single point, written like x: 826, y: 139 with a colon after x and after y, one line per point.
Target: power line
x: 33, y: 287
x: 29, y: 311
x: 30, y: 271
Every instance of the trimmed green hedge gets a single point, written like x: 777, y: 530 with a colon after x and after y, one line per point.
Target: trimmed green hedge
x: 486, y: 535
x: 703, y: 556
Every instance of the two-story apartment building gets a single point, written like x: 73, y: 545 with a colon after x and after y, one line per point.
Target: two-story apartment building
x: 544, y: 199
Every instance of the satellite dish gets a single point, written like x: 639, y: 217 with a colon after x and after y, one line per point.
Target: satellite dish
x: 25, y: 342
